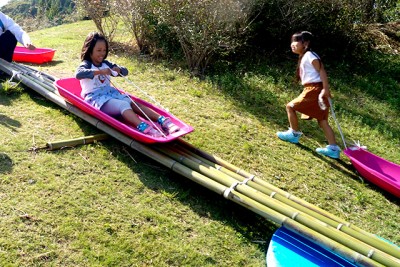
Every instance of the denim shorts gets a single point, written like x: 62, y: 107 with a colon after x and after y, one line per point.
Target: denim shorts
x: 101, y: 95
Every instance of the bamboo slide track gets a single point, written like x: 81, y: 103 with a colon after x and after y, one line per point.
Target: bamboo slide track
x: 319, y: 226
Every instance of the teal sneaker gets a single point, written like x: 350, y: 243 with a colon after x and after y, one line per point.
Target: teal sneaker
x: 148, y: 129
x: 329, y: 151
x: 289, y: 136
x: 167, y: 125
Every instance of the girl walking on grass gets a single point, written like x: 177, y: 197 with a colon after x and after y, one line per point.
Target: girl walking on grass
x: 313, y: 101
x: 94, y: 74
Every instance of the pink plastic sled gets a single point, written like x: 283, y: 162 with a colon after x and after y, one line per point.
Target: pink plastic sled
x: 70, y: 89
x: 37, y: 56
x: 377, y: 170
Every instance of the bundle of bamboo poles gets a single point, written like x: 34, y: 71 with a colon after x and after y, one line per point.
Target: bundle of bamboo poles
x: 315, y: 224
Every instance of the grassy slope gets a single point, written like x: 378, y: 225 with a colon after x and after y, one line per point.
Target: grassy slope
x: 106, y: 205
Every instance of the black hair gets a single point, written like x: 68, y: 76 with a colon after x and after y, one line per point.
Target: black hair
x: 89, y: 44
x: 303, y: 36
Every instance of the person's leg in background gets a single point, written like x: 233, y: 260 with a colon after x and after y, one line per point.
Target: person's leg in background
x: 8, y: 42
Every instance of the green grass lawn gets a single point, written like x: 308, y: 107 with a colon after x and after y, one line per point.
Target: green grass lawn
x: 104, y: 204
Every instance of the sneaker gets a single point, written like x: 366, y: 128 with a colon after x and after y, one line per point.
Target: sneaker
x: 329, y: 151
x: 148, y: 129
x: 167, y: 125
x: 289, y: 136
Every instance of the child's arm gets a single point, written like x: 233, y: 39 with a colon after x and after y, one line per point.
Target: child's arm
x: 21, y: 35
x: 85, y: 71
x: 324, y: 77
x: 119, y: 69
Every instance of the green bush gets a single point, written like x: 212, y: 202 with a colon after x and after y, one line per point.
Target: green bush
x: 205, y: 28
x: 136, y: 16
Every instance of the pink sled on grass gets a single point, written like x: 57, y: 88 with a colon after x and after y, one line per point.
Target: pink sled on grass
x: 37, y: 56
x: 375, y: 169
x: 70, y: 89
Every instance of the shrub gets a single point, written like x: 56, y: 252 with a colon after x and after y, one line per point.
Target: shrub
x: 204, y: 28
x: 135, y: 16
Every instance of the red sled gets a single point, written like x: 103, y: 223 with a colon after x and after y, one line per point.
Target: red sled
x: 377, y: 170
x: 70, y: 89
x: 36, y: 56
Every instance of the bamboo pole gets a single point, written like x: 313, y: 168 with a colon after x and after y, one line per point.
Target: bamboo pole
x: 214, y: 174
x: 47, y: 84
x: 165, y: 159
x: 26, y: 69
x: 76, y: 141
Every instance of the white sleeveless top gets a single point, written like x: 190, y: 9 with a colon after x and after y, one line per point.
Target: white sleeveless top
x: 308, y: 74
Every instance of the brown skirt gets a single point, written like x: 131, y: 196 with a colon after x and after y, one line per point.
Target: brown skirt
x: 307, y: 102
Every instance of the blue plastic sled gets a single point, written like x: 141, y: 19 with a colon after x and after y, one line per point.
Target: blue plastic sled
x: 287, y: 248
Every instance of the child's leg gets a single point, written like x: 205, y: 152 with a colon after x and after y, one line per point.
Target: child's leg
x: 149, y: 112
x: 165, y: 123
x: 115, y: 107
x: 329, y: 134
x: 292, y: 135
x: 131, y: 117
x: 8, y: 43
x: 292, y: 117
x: 332, y: 150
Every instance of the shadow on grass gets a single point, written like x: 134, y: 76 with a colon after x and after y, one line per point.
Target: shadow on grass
x: 6, y: 163
x: 6, y: 98
x: 337, y: 164
x: 390, y: 197
x: 387, y: 195
x: 9, y: 123
x: 349, y: 170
